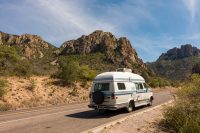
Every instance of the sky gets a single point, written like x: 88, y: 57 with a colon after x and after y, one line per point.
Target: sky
x: 152, y: 26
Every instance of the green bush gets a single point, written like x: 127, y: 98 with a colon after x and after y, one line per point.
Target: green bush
x: 3, y: 85
x: 86, y: 73
x: 23, y: 69
x: 159, y: 82
x: 11, y: 64
x: 184, y: 116
x: 71, y: 71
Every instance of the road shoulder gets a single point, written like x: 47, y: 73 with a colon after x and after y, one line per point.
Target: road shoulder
x: 144, y: 121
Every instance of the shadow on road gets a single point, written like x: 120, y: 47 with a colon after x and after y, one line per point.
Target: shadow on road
x: 93, y: 114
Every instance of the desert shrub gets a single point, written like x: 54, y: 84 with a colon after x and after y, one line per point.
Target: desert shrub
x: 3, y: 85
x: 12, y: 64
x: 196, y: 68
x: 68, y: 72
x: 159, y: 82
x: 23, y: 69
x: 5, y: 106
x: 31, y: 86
x: 146, y: 76
x: 184, y: 116
x: 71, y: 71
x: 86, y: 73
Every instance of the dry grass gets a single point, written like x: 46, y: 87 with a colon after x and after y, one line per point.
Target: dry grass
x: 41, y: 91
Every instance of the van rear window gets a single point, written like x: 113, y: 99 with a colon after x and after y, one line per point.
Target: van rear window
x: 101, y: 87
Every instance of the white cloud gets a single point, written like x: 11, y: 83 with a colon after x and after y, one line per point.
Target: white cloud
x: 192, y: 6
x: 70, y: 19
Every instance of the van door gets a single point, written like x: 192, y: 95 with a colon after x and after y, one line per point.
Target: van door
x: 139, y: 92
x: 146, y: 94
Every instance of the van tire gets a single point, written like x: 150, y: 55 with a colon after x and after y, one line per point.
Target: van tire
x: 130, y: 107
x: 150, y: 102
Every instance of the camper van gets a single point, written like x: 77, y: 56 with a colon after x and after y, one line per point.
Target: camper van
x: 120, y: 89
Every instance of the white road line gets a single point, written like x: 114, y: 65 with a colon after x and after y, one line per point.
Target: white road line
x: 34, y: 110
x: 32, y: 117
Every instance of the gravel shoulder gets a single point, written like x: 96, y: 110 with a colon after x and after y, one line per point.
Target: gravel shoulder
x: 147, y: 122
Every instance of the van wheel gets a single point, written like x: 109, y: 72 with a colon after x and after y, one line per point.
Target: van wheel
x: 130, y: 107
x: 150, y: 102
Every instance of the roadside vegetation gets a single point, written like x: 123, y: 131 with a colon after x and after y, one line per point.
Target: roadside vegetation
x: 184, y: 116
x: 71, y: 71
x: 159, y: 82
x: 3, y: 90
x: 3, y: 85
x: 11, y: 63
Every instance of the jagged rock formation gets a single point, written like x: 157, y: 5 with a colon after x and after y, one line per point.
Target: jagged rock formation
x: 176, y: 63
x: 179, y: 53
x: 117, y: 50
x: 114, y: 52
x: 32, y: 46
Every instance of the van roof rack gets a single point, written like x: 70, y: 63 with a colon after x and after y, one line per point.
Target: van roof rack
x: 124, y: 70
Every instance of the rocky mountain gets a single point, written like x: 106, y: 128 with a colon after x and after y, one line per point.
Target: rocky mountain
x: 31, y: 46
x: 117, y: 50
x: 25, y: 53
x: 101, y: 51
x: 176, y: 63
x: 179, y: 53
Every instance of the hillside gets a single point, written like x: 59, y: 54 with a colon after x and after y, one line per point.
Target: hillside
x: 176, y: 63
x: 101, y: 51
x: 117, y: 52
x: 28, y: 52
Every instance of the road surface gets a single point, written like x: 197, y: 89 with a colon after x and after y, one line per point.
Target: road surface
x: 64, y: 119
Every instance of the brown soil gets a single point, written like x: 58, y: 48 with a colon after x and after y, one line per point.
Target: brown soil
x: 41, y: 91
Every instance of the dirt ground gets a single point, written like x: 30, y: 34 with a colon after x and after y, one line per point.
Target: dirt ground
x: 148, y: 122
x: 41, y: 91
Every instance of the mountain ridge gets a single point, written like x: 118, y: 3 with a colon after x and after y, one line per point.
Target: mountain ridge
x: 176, y: 63
x: 116, y: 51
x: 186, y: 50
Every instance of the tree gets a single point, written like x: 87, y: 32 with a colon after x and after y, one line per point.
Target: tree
x: 196, y: 68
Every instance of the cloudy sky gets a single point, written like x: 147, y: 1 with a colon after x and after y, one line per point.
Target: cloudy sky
x: 152, y: 26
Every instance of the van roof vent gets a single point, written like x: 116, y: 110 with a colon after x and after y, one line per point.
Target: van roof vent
x: 124, y: 70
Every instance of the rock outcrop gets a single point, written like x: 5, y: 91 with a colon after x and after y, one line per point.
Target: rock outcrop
x: 101, y: 46
x: 178, y: 53
x: 117, y: 50
x: 176, y: 63
x: 32, y: 46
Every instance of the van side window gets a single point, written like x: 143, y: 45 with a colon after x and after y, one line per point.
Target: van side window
x: 141, y: 86
x: 137, y: 86
x: 121, y: 86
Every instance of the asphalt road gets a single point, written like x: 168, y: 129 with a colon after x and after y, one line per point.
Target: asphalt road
x: 64, y: 119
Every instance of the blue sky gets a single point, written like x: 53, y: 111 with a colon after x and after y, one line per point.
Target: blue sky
x: 152, y: 26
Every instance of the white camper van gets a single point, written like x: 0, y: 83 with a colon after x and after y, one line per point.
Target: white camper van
x: 120, y: 89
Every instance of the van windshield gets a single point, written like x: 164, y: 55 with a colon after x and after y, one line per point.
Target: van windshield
x: 101, y: 87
